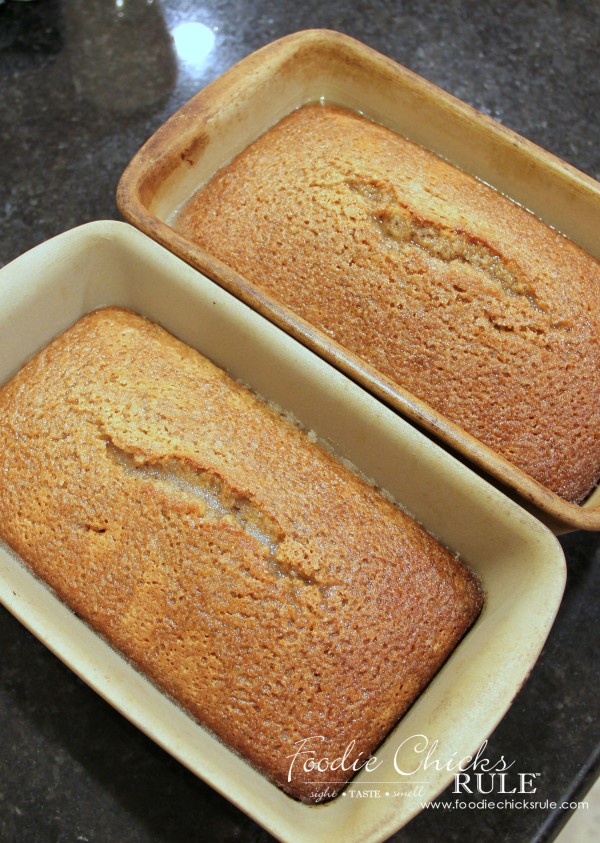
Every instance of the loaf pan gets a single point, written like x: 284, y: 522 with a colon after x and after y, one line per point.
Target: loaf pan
x: 517, y: 559
x: 225, y: 117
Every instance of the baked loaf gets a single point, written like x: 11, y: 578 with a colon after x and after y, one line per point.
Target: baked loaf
x: 252, y: 576
x: 443, y: 285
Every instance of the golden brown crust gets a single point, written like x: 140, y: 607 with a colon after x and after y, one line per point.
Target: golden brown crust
x: 258, y: 581
x: 438, y: 281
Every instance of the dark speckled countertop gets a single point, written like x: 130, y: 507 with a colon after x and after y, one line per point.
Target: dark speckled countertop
x: 82, y: 85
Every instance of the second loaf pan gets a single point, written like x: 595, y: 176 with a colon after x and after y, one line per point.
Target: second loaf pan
x: 518, y: 561
x: 225, y: 117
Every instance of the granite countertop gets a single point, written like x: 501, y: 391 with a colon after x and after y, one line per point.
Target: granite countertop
x: 82, y: 86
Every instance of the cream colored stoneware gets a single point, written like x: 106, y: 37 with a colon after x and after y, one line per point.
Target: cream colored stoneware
x: 518, y: 560
x: 226, y: 116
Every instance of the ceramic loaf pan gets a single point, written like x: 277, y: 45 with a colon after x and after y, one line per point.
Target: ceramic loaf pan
x: 225, y: 117
x: 518, y: 560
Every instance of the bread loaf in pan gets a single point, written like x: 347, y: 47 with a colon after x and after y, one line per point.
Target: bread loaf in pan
x: 445, y: 286
x: 261, y: 583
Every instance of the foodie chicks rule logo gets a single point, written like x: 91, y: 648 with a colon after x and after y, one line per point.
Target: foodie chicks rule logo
x: 414, y: 761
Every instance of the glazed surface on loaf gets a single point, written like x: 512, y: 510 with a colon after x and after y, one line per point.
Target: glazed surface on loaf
x: 252, y: 576
x: 443, y: 285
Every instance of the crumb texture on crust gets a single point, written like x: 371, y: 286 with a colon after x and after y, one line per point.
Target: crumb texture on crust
x: 438, y: 281
x: 253, y: 577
